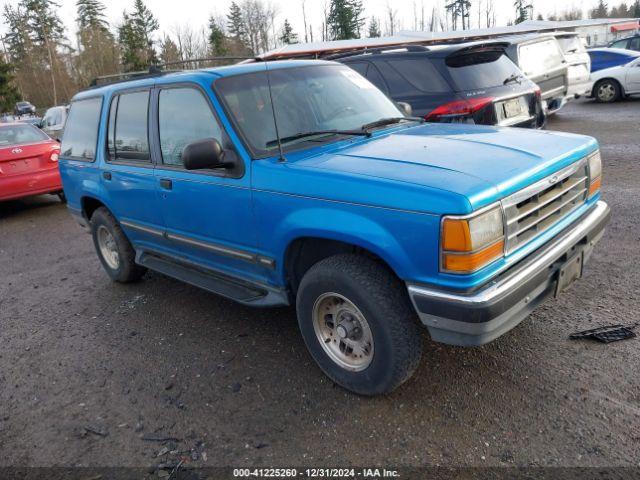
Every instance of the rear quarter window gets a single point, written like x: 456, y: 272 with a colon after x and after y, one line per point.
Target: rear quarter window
x: 80, y: 138
x: 539, y: 57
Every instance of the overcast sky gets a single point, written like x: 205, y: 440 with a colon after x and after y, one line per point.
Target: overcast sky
x: 195, y: 12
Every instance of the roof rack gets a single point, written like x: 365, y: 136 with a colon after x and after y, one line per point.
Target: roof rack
x: 375, y: 50
x: 156, y: 70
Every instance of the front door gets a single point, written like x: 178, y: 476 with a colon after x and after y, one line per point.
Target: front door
x: 633, y: 77
x: 207, y: 213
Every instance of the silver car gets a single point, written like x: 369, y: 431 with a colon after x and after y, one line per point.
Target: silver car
x: 54, y: 120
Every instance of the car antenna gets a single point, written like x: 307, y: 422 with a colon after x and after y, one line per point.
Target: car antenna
x: 273, y: 111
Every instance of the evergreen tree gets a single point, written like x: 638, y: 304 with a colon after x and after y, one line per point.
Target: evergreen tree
x: 217, y: 39
x: 345, y: 19
x: 600, y: 11
x: 91, y: 15
x: 634, y: 10
x: 522, y: 10
x: 287, y: 36
x: 459, y: 9
x: 98, y: 50
x: 135, y: 38
x: 169, y: 51
x: 9, y: 94
x: 374, y: 28
x: 235, y: 23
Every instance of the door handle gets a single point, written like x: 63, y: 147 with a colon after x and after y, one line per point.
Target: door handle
x: 106, y: 175
x: 166, y: 183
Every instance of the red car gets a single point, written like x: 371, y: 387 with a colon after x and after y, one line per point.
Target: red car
x: 28, y: 162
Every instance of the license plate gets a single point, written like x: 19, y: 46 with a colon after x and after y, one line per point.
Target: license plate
x: 512, y: 108
x: 569, y: 273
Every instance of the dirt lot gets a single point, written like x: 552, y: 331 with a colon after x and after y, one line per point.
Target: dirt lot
x: 91, y: 371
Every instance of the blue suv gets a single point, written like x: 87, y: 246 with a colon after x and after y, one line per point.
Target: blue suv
x: 300, y: 183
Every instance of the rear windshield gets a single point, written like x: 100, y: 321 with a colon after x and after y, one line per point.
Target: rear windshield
x: 480, y: 69
x: 540, y: 57
x: 81, y: 132
x: 571, y: 44
x: 20, y: 134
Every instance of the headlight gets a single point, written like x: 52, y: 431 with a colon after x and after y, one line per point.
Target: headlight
x: 471, y: 242
x: 595, y: 173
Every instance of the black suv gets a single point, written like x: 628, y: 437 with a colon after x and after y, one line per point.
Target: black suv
x: 470, y: 83
x: 24, y: 108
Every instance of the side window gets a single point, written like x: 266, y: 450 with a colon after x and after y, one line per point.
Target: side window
x: 360, y: 67
x: 373, y: 75
x: 127, y: 136
x: 634, y: 44
x: 413, y: 74
x: 81, y: 135
x: 184, y: 116
x: 619, y: 44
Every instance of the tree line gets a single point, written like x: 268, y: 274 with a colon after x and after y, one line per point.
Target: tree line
x: 40, y: 63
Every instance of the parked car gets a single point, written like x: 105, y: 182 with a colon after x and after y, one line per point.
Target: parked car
x: 541, y: 60
x: 602, y: 58
x: 54, y: 120
x: 28, y: 162
x: 614, y: 83
x: 300, y: 183
x: 579, y: 64
x: 24, y: 108
x: 35, y: 121
x: 629, y: 43
x: 470, y: 83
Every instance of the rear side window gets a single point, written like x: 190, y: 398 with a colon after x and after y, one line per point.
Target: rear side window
x: 128, y: 137
x: 620, y: 44
x: 539, y: 57
x: 634, y: 44
x: 80, y: 137
x: 413, y: 74
x: 184, y: 116
x: 480, y: 69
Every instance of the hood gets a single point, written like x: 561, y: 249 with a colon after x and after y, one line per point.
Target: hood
x: 436, y: 168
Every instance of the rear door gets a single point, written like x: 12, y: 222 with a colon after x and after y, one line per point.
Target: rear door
x: 127, y: 174
x: 207, y: 213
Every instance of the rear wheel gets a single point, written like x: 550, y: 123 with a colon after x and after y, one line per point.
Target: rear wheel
x: 114, y: 249
x: 358, y: 324
x: 62, y: 197
x: 607, y: 91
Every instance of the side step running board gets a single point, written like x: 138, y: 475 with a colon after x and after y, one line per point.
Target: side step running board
x: 214, y: 282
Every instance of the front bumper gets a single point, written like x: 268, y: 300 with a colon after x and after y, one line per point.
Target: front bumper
x: 478, y: 317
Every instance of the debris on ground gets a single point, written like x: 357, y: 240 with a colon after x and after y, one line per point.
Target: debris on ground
x: 96, y: 430
x: 159, y: 437
x: 606, y: 334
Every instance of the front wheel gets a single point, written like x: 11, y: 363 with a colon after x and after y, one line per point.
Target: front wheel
x: 358, y: 324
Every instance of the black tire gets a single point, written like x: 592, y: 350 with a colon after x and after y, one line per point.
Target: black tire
x: 607, y: 91
x: 382, y: 299
x: 127, y: 269
x: 62, y: 197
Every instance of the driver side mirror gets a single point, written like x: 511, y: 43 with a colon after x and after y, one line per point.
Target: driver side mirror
x: 405, y: 108
x: 204, y: 154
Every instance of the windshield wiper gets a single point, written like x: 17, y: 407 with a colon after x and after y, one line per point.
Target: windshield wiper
x: 512, y: 78
x: 299, y: 135
x: 389, y: 121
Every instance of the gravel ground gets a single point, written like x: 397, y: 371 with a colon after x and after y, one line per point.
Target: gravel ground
x: 91, y: 372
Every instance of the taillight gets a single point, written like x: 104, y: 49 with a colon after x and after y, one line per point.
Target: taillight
x: 459, y: 108
x: 55, y: 155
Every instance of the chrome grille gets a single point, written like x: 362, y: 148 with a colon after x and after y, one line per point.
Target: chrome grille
x: 536, y: 208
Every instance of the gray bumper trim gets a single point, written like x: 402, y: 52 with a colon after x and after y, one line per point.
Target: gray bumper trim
x: 479, y: 317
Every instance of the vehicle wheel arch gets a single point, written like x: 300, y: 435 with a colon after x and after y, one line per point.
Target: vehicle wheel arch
x: 303, y: 252
x: 89, y: 205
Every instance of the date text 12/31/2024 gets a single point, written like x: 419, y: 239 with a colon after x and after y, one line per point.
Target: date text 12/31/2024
x: 315, y: 473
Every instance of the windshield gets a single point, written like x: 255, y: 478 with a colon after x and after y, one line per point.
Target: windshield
x: 539, y: 57
x: 481, y: 69
x: 23, y: 104
x: 20, y: 134
x: 306, y: 99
